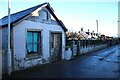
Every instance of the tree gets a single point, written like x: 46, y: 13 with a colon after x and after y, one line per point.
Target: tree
x: 74, y: 35
x: 81, y: 29
x: 88, y: 32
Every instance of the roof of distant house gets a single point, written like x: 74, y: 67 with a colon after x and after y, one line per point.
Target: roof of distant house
x: 20, y: 15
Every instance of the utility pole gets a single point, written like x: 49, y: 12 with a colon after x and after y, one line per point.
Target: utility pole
x: 97, y: 26
x: 118, y: 20
x: 9, y: 50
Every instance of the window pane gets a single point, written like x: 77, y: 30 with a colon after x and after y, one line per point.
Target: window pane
x: 35, y: 48
x: 36, y: 39
x: 33, y: 42
x: 44, y: 15
x: 29, y: 48
x: 52, y: 37
x: 56, y: 38
x: 29, y: 37
x: 52, y: 44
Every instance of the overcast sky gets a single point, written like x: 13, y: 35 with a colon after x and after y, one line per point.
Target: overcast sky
x: 76, y: 13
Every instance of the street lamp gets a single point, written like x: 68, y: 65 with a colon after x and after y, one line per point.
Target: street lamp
x: 118, y: 28
x: 9, y: 50
x: 97, y: 26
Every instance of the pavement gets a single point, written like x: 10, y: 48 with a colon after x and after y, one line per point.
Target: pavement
x: 100, y: 64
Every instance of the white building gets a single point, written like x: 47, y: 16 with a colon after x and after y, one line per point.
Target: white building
x: 35, y: 37
x: 84, y: 34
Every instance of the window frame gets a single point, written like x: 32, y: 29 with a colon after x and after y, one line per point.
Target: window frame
x: 40, y: 53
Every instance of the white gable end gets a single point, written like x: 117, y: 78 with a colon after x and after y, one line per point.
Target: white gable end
x: 42, y: 15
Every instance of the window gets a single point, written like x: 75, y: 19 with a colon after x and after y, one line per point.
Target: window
x: 45, y: 15
x: 34, y: 43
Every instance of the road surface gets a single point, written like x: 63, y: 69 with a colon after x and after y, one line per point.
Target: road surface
x: 100, y: 64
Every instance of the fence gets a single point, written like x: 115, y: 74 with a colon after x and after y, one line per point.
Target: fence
x: 79, y: 47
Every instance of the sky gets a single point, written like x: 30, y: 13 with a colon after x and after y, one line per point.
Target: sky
x: 76, y: 14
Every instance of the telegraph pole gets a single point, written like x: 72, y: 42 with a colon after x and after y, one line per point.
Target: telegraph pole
x: 97, y: 26
x: 9, y: 50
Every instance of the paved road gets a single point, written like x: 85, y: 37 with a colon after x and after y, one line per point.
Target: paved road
x: 100, y: 64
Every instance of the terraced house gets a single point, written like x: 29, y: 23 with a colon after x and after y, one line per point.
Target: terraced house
x: 37, y: 37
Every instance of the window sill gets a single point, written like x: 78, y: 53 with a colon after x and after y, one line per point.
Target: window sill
x: 33, y: 57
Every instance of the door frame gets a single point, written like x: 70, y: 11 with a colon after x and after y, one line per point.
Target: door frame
x: 55, y: 32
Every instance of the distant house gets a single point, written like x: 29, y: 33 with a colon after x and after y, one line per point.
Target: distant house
x: 37, y: 36
x: 74, y: 36
x: 84, y: 34
x: 102, y: 37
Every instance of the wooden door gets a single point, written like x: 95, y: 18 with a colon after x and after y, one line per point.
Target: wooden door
x: 55, y: 47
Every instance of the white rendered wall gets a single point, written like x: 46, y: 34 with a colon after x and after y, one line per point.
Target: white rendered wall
x: 19, y: 37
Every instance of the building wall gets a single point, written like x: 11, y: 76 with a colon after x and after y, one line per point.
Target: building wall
x: 19, y: 37
x: 4, y: 38
x: 37, y: 16
x: 4, y: 46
